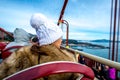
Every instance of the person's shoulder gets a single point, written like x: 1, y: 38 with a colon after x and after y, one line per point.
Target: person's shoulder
x: 70, y: 54
x: 25, y: 48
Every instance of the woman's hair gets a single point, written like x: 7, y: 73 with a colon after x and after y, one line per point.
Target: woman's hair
x: 34, y: 39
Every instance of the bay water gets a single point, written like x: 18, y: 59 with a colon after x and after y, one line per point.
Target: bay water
x: 98, y: 51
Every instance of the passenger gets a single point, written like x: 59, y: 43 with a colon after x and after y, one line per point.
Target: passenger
x: 50, y: 37
x: 98, y: 72
x: 21, y: 38
x: 112, y: 73
x: 106, y: 72
x: 82, y: 59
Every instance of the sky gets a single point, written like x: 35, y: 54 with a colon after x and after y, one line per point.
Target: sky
x: 88, y: 19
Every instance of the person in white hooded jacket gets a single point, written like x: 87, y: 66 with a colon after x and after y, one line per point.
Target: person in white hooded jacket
x: 21, y: 38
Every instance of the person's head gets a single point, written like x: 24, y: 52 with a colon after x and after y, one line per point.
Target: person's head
x: 98, y: 67
x: 106, y: 67
x: 47, y: 31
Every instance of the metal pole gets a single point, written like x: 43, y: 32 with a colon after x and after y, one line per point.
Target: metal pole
x: 118, y: 30
x: 67, y: 32
x: 110, y: 38
x: 114, y: 31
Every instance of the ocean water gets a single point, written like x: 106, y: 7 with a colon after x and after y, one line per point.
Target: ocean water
x: 99, y: 52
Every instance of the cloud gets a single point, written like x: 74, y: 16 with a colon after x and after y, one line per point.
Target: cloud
x: 85, y: 36
x: 90, y: 23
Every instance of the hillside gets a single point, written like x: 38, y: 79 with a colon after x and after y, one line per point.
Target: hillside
x: 73, y: 43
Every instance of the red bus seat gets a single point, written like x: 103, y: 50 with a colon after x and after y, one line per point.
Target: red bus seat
x: 6, y: 52
x: 49, y: 68
x: 2, y: 45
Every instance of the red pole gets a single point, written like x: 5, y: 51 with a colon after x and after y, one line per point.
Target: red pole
x: 62, y: 11
x: 2, y: 36
x: 2, y: 30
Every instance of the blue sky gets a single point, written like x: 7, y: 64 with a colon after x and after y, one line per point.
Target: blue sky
x: 88, y: 19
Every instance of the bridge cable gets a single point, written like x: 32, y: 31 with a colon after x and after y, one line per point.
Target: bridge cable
x: 110, y: 38
x: 118, y: 30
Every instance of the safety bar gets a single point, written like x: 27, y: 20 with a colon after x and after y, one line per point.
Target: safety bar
x: 96, y: 58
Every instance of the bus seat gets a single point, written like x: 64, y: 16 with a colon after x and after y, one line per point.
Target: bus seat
x: 49, y: 68
x: 6, y: 52
x: 2, y: 45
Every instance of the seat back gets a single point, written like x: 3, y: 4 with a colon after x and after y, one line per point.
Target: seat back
x: 49, y: 68
x: 6, y: 52
x: 2, y: 45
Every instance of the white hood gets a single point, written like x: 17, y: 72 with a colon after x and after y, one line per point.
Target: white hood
x: 47, y: 31
x: 21, y: 38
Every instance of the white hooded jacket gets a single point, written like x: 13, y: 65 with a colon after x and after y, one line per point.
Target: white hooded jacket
x: 21, y: 38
